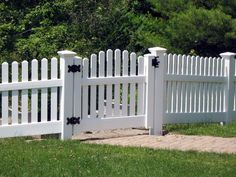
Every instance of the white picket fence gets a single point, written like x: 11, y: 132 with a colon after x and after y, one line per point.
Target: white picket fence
x: 115, y: 90
x: 200, y: 89
x: 25, y: 108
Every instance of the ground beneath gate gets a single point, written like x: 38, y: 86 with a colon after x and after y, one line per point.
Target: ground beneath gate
x: 140, y: 138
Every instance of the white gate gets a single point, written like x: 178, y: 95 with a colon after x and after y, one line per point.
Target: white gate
x: 111, y: 90
x: 112, y: 93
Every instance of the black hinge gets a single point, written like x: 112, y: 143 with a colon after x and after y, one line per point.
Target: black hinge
x: 155, y: 62
x: 73, y: 120
x: 74, y: 68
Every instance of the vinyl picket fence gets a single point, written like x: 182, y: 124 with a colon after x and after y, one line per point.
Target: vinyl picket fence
x: 200, y: 89
x: 115, y: 89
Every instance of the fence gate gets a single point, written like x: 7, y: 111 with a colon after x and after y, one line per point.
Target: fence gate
x: 108, y: 94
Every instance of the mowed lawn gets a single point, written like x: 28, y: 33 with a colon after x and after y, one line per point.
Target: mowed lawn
x: 56, y: 158
x: 209, y: 129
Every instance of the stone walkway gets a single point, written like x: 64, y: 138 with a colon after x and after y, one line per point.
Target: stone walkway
x: 140, y: 138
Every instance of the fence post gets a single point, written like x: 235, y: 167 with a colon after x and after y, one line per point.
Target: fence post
x: 229, y: 89
x: 159, y: 89
x: 66, y: 92
x: 155, y: 108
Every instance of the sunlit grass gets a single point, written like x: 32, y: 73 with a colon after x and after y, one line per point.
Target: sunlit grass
x: 71, y: 158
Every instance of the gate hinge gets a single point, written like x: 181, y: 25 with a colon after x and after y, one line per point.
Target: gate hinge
x: 74, y: 68
x: 155, y: 62
x: 73, y: 120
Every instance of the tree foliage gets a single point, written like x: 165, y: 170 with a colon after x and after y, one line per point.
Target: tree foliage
x: 39, y: 28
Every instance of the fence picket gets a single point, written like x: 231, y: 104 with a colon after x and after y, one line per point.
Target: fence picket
x: 197, y: 85
x: 210, y: 63
x: 15, y: 94
x: 170, y: 63
x: 218, y: 86
x: 169, y: 84
x: 109, y: 86
x: 93, y: 91
x: 188, y: 86
x: 101, y: 87
x: 34, y: 92
x: 140, y: 86
x: 54, y: 75
x: 44, y: 91
x: 174, y: 83
x: 183, y: 93
x: 205, y: 86
x: 179, y: 85
x: 85, y: 90
x: 132, y: 85
x: 192, y: 85
x: 125, y: 59
x: 24, y: 94
x: 201, y: 87
x: 117, y: 86
x: 77, y: 106
x: 5, y: 101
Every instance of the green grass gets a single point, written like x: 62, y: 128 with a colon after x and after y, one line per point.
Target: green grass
x: 213, y: 129
x: 55, y: 158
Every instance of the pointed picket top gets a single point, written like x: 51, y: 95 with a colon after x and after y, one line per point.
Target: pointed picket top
x: 14, y: 63
x: 24, y: 62
x: 101, y: 53
x: 34, y: 61
x: 53, y: 59
x: 109, y: 50
x: 4, y: 64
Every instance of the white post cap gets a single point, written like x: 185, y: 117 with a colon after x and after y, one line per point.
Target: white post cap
x: 227, y: 54
x: 156, y: 50
x: 66, y: 53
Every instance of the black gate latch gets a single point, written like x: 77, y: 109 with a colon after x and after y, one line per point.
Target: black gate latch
x: 155, y: 62
x: 73, y: 120
x: 74, y: 68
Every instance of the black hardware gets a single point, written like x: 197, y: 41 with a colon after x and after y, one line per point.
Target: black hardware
x: 74, y: 68
x: 155, y: 62
x: 73, y: 120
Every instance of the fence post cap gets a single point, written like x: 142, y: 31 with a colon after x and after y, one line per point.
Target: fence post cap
x: 227, y: 54
x: 156, y: 50
x: 66, y: 53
